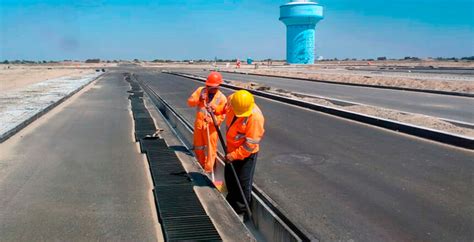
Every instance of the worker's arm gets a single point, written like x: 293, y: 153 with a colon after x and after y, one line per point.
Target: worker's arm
x: 220, y: 110
x: 253, y: 135
x: 194, y: 100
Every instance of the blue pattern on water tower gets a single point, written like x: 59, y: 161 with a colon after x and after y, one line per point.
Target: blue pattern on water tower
x: 300, y: 18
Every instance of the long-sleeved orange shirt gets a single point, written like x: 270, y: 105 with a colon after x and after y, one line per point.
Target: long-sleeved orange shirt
x: 244, y: 134
x: 218, y: 102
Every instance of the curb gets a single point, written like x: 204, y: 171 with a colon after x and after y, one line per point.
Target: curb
x: 431, y: 134
x: 458, y: 94
x: 16, y: 129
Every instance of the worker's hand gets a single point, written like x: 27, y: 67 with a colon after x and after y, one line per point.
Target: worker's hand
x: 228, y: 158
x: 202, y: 97
x: 211, y: 108
x: 208, y: 119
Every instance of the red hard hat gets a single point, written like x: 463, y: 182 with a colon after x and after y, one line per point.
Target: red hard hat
x: 214, y: 79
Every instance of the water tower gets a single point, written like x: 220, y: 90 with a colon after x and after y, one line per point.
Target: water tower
x: 300, y: 18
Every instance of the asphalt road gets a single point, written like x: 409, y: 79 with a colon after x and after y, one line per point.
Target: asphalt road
x: 77, y: 174
x: 442, y: 106
x: 344, y: 180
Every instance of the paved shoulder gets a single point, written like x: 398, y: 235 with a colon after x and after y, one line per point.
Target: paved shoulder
x: 78, y: 175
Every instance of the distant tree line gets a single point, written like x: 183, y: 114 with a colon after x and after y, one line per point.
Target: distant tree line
x: 92, y: 61
x: 207, y: 60
x: 407, y: 58
x: 161, y: 61
x: 97, y: 60
x: 26, y: 62
x: 468, y: 58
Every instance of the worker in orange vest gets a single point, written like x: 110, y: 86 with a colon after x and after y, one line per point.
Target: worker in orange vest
x: 207, y: 99
x: 244, y: 122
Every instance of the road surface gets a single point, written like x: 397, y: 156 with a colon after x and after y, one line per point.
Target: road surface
x: 442, y: 106
x: 76, y: 174
x: 344, y: 180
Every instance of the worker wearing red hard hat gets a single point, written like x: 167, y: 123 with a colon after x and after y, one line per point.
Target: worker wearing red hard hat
x: 207, y: 99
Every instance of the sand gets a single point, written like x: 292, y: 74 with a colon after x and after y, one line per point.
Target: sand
x: 14, y: 77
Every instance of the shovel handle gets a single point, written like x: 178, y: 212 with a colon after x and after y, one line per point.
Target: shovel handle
x: 247, y: 207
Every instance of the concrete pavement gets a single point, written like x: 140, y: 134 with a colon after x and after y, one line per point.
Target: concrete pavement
x: 344, y: 180
x: 442, y: 106
x: 76, y: 174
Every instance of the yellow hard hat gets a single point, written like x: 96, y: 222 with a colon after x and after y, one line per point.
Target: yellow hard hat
x: 242, y: 103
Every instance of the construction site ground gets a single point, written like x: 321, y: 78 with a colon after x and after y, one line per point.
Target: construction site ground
x: 77, y: 173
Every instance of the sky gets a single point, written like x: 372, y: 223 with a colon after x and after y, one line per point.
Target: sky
x: 227, y: 29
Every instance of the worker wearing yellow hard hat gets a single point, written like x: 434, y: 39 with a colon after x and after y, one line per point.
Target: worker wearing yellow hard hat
x: 245, y: 122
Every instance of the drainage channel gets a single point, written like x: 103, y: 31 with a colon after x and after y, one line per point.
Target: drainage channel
x: 180, y: 213
x: 267, y: 219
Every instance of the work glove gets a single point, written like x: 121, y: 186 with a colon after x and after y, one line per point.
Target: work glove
x: 208, y: 119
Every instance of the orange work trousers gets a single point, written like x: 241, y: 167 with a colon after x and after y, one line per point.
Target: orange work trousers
x: 205, y: 147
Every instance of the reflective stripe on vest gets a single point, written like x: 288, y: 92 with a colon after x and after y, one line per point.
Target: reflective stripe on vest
x: 200, y: 147
x: 239, y: 136
x: 252, y: 141
x: 248, y: 148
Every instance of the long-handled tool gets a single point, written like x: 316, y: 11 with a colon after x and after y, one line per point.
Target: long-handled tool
x: 249, y: 213
x: 204, y: 96
x: 209, y: 150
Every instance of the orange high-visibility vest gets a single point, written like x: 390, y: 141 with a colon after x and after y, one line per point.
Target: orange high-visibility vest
x: 244, y: 134
x: 218, y: 103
